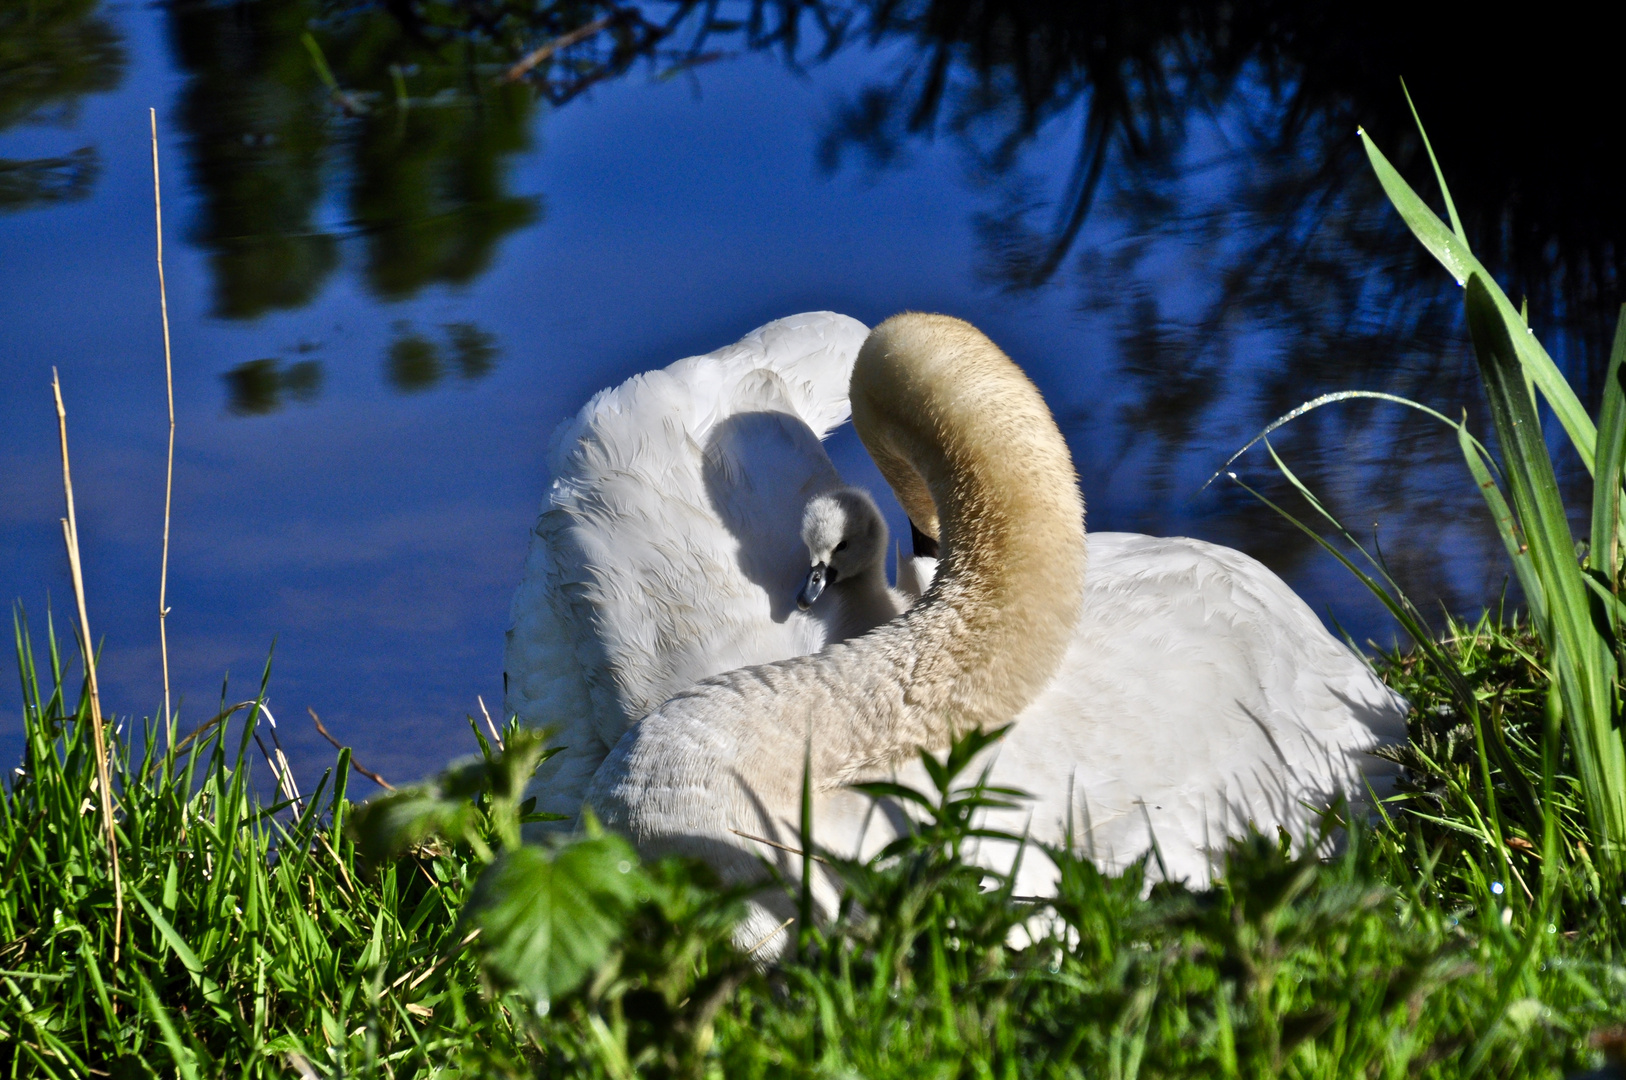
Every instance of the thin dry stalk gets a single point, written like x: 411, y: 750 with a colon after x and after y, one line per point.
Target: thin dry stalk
x: 276, y: 741
x: 765, y: 938
x: 354, y: 764
x: 496, y: 737
x: 283, y: 776
x: 169, y: 464
x: 277, y: 760
x: 563, y: 41
x: 70, y: 535
x: 777, y: 844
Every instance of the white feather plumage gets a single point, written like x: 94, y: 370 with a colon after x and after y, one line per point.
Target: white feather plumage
x: 668, y: 546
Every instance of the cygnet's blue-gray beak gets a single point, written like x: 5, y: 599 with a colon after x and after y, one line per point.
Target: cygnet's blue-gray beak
x: 817, y: 578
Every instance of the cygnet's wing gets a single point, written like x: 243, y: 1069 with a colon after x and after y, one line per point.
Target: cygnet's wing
x: 668, y: 547
x: 1200, y: 693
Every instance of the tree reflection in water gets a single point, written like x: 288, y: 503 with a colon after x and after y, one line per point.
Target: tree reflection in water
x: 52, y: 53
x: 402, y: 115
x: 418, y: 144
x: 1221, y: 140
x: 263, y: 386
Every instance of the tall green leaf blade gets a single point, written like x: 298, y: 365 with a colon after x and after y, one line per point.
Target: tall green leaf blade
x: 177, y: 944
x: 1583, y: 665
x: 1455, y: 256
x: 1439, y: 174
x: 1610, y: 458
x: 185, y: 1064
x: 1507, y: 526
x: 1436, y: 236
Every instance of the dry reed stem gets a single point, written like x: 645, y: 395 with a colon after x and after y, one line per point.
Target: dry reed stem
x: 765, y: 938
x: 495, y: 736
x: 285, y: 785
x: 781, y: 847
x: 563, y: 41
x: 169, y: 464
x: 70, y: 535
x: 354, y: 764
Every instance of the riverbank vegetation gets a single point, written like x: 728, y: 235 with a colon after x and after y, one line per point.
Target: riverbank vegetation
x: 1472, y: 926
x: 260, y: 940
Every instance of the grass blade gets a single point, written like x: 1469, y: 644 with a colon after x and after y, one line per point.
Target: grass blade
x: 1453, y: 254
x: 1507, y: 525
x: 1606, y: 502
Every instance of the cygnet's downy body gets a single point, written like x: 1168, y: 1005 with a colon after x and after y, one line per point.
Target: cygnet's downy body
x: 846, y: 539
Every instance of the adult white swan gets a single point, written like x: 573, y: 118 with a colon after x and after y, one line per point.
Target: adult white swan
x: 1185, y: 691
x: 1195, y: 690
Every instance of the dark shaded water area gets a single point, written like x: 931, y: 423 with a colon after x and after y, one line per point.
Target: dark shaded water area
x: 391, y: 274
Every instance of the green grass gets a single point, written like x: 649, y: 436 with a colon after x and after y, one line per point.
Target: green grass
x: 254, y: 935
x: 260, y: 942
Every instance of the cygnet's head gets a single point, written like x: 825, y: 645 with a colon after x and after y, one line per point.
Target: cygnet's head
x: 845, y: 536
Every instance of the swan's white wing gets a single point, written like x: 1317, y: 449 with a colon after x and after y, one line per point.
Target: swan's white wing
x: 668, y: 546
x: 1199, y: 694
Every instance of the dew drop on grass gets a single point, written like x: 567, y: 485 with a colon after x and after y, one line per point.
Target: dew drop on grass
x: 1496, y: 887
x: 624, y: 866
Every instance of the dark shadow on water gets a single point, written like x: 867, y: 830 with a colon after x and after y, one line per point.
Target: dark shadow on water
x: 1191, y: 173
x: 415, y: 361
x: 258, y: 387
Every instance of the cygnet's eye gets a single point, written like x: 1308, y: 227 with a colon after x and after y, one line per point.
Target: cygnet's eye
x: 841, y: 546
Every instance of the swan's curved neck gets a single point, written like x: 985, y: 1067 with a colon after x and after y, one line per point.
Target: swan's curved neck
x: 967, y: 443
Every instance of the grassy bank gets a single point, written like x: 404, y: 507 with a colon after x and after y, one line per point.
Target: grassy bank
x: 259, y: 942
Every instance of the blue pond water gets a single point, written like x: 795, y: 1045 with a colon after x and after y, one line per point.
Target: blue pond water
x: 370, y: 521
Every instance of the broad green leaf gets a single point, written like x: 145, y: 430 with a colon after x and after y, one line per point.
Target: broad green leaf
x: 884, y: 789
x: 390, y: 825
x: 549, y: 917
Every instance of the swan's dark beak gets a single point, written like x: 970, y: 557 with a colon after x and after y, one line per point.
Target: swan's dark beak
x: 817, y: 579
x: 923, y: 544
